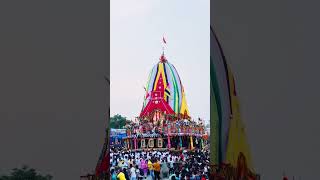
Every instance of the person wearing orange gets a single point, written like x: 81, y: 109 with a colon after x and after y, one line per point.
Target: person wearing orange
x: 157, y: 169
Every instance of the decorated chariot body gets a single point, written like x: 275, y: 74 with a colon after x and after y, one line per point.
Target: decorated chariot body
x: 164, y: 122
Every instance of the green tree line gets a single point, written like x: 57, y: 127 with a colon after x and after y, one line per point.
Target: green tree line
x: 117, y: 121
x: 25, y: 173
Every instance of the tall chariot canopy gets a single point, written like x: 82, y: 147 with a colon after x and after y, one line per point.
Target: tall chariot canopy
x: 228, y: 137
x: 164, y: 91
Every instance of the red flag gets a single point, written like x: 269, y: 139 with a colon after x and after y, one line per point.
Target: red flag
x: 164, y: 40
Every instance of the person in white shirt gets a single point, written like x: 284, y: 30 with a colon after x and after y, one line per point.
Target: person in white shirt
x: 205, y: 170
x: 133, y: 173
x: 126, y: 163
x: 164, y: 173
x: 171, y: 170
x: 168, y: 157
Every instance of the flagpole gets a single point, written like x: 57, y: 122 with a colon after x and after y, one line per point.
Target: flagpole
x: 163, y: 44
x: 162, y: 49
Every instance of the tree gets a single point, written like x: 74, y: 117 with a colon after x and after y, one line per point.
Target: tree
x: 25, y: 173
x: 117, y: 121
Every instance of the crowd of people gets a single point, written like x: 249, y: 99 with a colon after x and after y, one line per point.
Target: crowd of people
x: 154, y: 165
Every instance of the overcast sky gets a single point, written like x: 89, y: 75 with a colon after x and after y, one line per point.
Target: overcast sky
x: 136, y: 45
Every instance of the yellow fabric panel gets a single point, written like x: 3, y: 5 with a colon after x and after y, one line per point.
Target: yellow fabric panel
x: 191, y: 142
x: 184, y: 106
x: 237, y: 141
x: 233, y: 144
x: 160, y: 71
x: 166, y: 95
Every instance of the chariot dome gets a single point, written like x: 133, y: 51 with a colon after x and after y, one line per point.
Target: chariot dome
x: 164, y: 91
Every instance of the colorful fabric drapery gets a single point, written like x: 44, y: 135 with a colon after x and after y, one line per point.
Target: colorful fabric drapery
x: 165, y: 79
x: 227, y: 133
x: 237, y: 136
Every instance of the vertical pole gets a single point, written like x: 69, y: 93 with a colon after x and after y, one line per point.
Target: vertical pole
x: 201, y: 143
x: 169, y: 143
x: 128, y: 143
x: 135, y: 143
x: 180, y: 138
x: 191, y: 142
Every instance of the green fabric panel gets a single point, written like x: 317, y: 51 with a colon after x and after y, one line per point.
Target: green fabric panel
x: 214, y: 120
x: 176, y: 101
